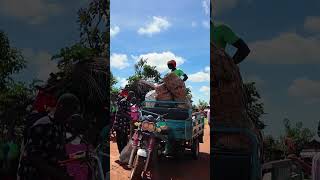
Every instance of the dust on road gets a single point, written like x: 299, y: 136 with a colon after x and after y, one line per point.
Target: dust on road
x: 184, y: 169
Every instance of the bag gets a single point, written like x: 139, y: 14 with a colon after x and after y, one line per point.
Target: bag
x: 150, y: 96
x: 125, y: 153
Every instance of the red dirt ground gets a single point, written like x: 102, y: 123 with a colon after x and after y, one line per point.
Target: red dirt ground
x: 185, y: 169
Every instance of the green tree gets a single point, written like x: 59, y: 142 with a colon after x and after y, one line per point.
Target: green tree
x: 14, y: 96
x: 84, y: 66
x: 114, y: 90
x: 202, y: 104
x: 11, y: 61
x: 143, y: 71
x: 255, y: 108
x: 298, y: 134
x: 273, y: 149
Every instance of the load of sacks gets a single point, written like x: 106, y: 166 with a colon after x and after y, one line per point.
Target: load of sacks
x: 172, y: 89
x: 229, y: 100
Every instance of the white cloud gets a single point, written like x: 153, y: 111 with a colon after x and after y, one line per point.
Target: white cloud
x: 307, y: 89
x: 31, y: 11
x: 122, y: 81
x: 201, y: 76
x: 207, y: 69
x: 119, y: 61
x: 40, y: 62
x: 287, y: 48
x: 157, y: 25
x: 160, y: 59
x: 206, y: 6
x: 206, y: 24
x: 312, y: 24
x: 194, y: 24
x: 114, y: 31
x: 205, y: 89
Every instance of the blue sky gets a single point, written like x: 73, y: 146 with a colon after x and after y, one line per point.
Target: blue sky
x: 160, y: 31
x: 40, y: 28
x: 284, y: 37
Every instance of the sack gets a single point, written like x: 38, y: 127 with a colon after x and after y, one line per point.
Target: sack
x: 125, y: 153
x: 172, y: 81
x: 229, y: 100
x: 161, y: 89
x: 228, y: 91
x: 179, y: 92
x: 164, y: 97
x: 150, y: 96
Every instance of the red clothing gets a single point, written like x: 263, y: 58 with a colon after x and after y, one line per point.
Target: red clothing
x: 44, y: 100
x: 124, y: 93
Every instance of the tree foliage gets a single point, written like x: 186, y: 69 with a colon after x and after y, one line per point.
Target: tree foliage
x: 255, y: 108
x: 84, y: 66
x: 114, y: 90
x: 14, y: 96
x: 274, y: 149
x: 143, y: 71
x: 298, y: 134
x: 11, y: 60
x: 202, y: 105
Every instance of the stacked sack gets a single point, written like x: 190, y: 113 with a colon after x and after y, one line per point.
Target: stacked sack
x: 177, y: 88
x: 163, y: 94
x: 173, y: 89
x: 229, y: 98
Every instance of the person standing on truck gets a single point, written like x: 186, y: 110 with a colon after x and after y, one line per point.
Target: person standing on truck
x: 172, y: 65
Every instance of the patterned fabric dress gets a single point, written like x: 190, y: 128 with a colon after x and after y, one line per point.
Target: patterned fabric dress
x: 46, y: 140
x: 122, y: 122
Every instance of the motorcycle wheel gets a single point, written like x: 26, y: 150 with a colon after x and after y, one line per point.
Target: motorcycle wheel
x: 138, y: 167
x: 195, y: 149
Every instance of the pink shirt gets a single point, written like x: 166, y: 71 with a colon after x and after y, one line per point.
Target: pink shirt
x: 78, y: 170
x: 134, y: 113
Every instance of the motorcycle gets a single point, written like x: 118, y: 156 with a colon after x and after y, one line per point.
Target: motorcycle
x: 148, y: 142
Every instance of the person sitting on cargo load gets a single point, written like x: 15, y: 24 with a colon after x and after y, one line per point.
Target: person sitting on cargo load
x: 172, y: 65
x: 221, y: 35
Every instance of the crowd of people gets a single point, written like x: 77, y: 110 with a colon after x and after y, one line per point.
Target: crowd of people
x: 53, y: 131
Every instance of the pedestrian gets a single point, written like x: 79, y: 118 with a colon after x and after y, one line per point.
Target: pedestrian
x: 9, y: 157
x: 134, y: 113
x: 122, y: 121
x: 46, y: 143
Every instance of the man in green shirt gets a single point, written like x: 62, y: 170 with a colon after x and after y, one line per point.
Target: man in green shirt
x: 222, y: 35
x: 172, y: 65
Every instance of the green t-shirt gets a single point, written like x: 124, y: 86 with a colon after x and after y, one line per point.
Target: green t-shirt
x: 222, y: 35
x: 178, y: 72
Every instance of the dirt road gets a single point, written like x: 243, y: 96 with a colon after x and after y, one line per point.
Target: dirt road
x: 185, y: 169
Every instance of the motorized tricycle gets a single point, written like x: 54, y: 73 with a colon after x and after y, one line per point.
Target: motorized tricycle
x: 159, y: 127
